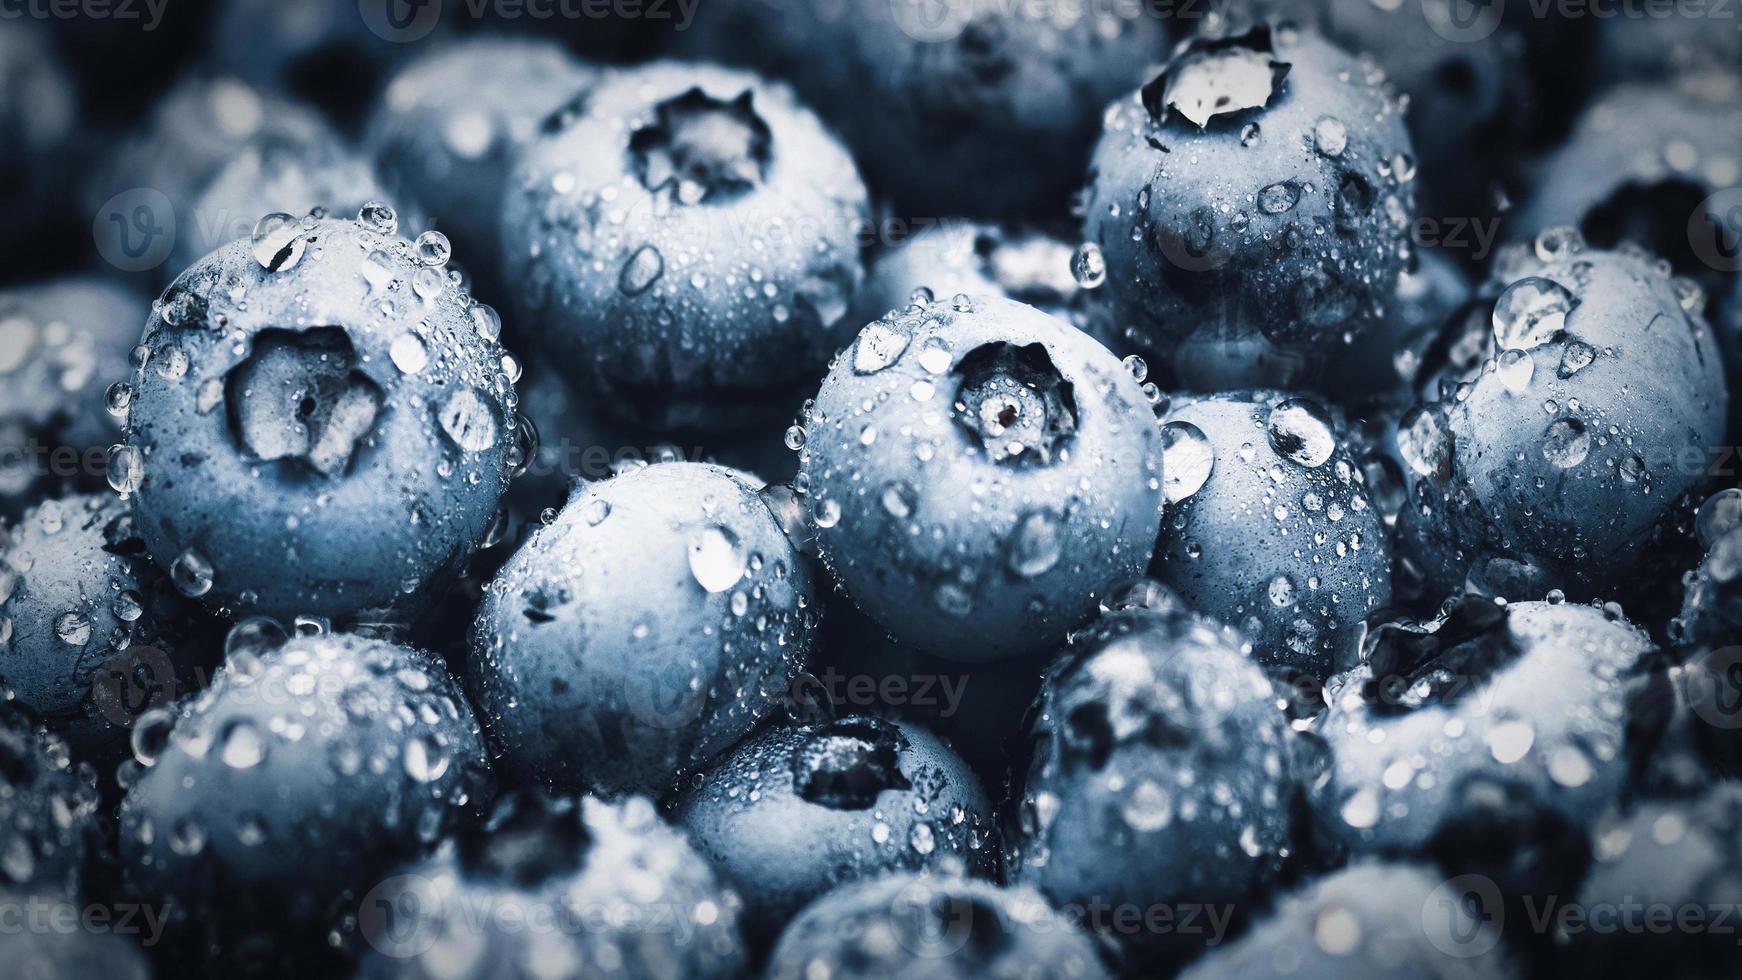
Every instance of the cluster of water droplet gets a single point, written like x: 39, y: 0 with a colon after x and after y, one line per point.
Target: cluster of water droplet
x: 311, y: 766
x: 793, y: 812
x: 610, y: 888
x: 332, y: 388
x: 48, y: 808
x: 935, y: 926
x: 1531, y: 693
x: 1251, y: 207
x: 655, y: 620
x: 1156, y: 738
x: 1711, y: 610
x: 978, y: 473
x: 90, y: 632
x: 1271, y: 527
x: 685, y: 242
x: 1555, y: 441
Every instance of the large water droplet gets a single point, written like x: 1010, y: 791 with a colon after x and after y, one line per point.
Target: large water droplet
x: 378, y: 217
x: 408, y: 353
x: 717, y: 558
x: 1425, y: 444
x: 125, y: 468
x: 73, y: 628
x: 1034, y: 548
x: 467, y: 419
x: 1089, y: 266
x: 1300, y: 431
x: 880, y: 345
x: 1515, y: 369
x: 1566, y: 443
x: 1186, y: 461
x: 641, y: 271
x: 277, y: 242
x: 242, y: 746
x: 191, y: 574
x: 1531, y: 312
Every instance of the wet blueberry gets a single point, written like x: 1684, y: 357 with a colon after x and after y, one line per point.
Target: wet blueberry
x: 802, y: 808
x: 1555, y: 452
x: 935, y: 927
x: 91, y: 633
x: 961, y: 257
x: 684, y: 240
x: 451, y: 122
x: 1252, y: 203
x: 273, y: 800
x: 1531, y: 693
x: 62, y: 343
x: 656, y: 620
x: 1160, y: 773
x: 343, y: 430
x: 48, y: 809
x: 1369, y: 920
x: 554, y: 887
x: 982, y: 109
x: 1272, y: 529
x: 978, y: 473
x: 1381, y: 366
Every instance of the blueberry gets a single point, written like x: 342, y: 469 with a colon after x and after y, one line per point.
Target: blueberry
x: 1662, y: 887
x: 1272, y: 530
x: 978, y: 472
x: 1252, y: 204
x: 982, y: 109
x: 658, y: 618
x: 1531, y: 692
x: 268, y: 178
x: 1466, y: 87
x: 961, y: 257
x: 326, y: 424
x: 1554, y: 453
x: 1370, y: 920
x: 1641, y: 165
x: 451, y: 122
x: 93, y: 633
x: 304, y: 773
x: 935, y: 927
x: 48, y: 808
x: 62, y: 342
x: 600, y: 889
x: 197, y: 127
x: 1711, y: 611
x: 685, y: 239
x: 1160, y: 772
x: 799, y: 809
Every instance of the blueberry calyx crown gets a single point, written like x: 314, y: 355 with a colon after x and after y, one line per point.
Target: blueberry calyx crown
x: 299, y: 397
x: 527, y: 840
x: 1412, y: 666
x: 702, y: 149
x: 1013, y: 402
x: 1213, y: 77
x: 845, y: 764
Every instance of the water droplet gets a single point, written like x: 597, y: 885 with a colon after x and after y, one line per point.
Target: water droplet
x: 171, y: 363
x: 825, y: 512
x: 1034, y: 548
x: 717, y: 558
x: 150, y: 736
x: 795, y: 436
x: 1531, y: 312
x: 596, y: 511
x: 1278, y: 198
x: 377, y: 269
x: 1515, y: 370
x: 486, y: 321
x: 125, y: 468
x: 128, y: 606
x: 1330, y: 136
x: 1186, y: 461
x: 898, y: 500
x: 1300, y: 431
x: 934, y: 355
x: 433, y: 249
x: 191, y: 574
x: 643, y: 268
x: 1575, y: 357
x: 1138, y: 367
x: 1362, y: 809
x: 425, y: 762
x: 880, y: 345
x: 1566, y: 443
x: 1089, y: 266
x: 408, y: 353
x: 1282, y: 592
x: 1510, y: 741
x: 378, y: 217
x: 1425, y: 444
x: 1148, y: 808
x: 242, y: 746
x: 119, y: 399
x: 467, y: 419
x: 277, y: 242
x: 73, y: 628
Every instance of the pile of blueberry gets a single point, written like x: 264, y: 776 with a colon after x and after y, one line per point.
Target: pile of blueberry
x: 817, y: 490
